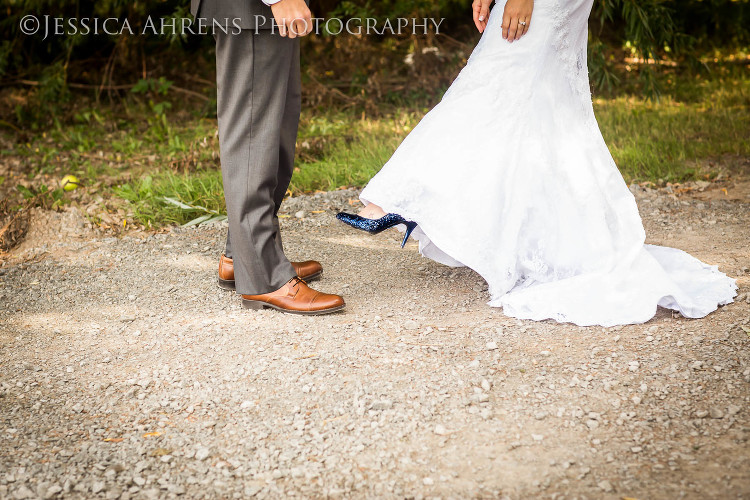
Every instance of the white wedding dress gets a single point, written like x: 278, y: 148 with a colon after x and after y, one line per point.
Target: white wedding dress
x: 509, y: 175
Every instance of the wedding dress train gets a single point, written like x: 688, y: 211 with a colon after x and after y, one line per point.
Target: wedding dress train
x: 509, y: 175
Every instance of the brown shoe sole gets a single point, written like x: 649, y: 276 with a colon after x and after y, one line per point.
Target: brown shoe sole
x: 229, y: 284
x: 257, y: 305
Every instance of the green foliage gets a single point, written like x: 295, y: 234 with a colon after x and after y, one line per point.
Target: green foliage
x: 645, y: 28
x: 601, y: 75
x: 199, y: 194
x: 337, y: 149
x: 158, y: 86
x: 648, y: 31
x: 662, y: 29
x: 42, y: 196
x: 695, y: 124
x: 208, y: 216
x: 699, y: 123
x: 673, y: 141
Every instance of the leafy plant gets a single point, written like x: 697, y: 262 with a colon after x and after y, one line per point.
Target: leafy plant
x: 191, y: 196
x: 208, y: 217
x: 42, y: 196
x: 156, y: 85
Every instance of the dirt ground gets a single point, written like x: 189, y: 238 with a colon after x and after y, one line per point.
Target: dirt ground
x: 126, y: 373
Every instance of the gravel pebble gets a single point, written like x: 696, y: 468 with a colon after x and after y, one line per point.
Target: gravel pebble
x: 716, y: 412
x: 202, y: 453
x: 605, y: 486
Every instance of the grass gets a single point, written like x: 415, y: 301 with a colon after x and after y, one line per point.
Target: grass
x: 133, y: 156
x: 145, y: 196
x: 346, y: 150
x: 667, y: 141
x: 670, y: 141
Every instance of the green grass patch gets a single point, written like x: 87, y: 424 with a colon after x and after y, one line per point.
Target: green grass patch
x: 671, y: 140
x: 341, y: 149
x: 135, y: 156
x: 147, y: 196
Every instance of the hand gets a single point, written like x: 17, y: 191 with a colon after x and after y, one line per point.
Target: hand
x: 293, y: 18
x: 515, y: 13
x: 481, y: 10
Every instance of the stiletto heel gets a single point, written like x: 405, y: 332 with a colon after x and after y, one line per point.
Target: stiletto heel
x: 375, y: 226
x: 410, y: 226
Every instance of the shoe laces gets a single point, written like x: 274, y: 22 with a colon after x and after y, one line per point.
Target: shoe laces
x: 295, y: 281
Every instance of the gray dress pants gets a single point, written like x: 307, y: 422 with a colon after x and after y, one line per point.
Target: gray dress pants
x: 258, y: 82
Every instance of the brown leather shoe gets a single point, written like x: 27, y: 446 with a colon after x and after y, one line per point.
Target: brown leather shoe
x: 308, y: 270
x: 296, y: 297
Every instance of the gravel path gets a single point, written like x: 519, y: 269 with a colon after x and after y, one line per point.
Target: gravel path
x: 126, y: 373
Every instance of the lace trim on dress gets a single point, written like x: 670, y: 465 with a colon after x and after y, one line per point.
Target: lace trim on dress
x: 573, y: 54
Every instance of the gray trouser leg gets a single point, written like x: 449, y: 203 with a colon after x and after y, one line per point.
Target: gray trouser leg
x: 258, y: 83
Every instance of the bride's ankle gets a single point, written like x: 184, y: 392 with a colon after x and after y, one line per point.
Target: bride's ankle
x: 372, y: 211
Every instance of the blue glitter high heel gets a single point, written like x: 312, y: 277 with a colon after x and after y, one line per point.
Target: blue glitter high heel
x: 375, y: 226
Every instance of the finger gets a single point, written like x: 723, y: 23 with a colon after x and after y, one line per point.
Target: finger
x: 476, y: 8
x: 482, y: 21
x: 484, y: 14
x: 291, y: 31
x: 519, y: 31
x: 526, y: 28
x: 306, y: 21
x: 512, y: 29
x: 506, y: 25
x: 477, y: 23
x: 282, y: 27
x: 300, y: 27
